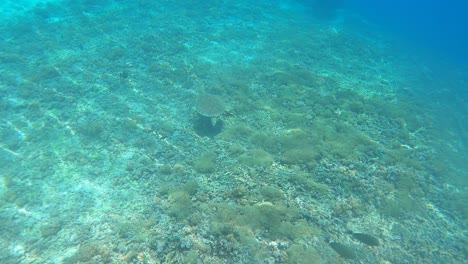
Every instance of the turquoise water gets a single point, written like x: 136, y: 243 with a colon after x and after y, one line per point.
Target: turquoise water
x: 225, y: 132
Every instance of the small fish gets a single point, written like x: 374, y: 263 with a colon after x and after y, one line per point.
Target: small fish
x: 367, y: 239
x: 343, y: 250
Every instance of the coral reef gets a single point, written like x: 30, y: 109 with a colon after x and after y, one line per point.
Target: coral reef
x: 234, y: 132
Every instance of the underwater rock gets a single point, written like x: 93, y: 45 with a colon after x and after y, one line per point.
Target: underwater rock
x: 366, y: 239
x: 343, y: 250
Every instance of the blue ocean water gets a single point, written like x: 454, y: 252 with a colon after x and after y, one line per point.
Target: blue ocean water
x: 437, y: 25
x: 233, y: 132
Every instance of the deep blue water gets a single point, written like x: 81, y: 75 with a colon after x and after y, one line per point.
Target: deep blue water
x: 438, y: 25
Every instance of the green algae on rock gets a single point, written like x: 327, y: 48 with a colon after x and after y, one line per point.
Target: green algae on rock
x: 206, y: 163
x: 299, y: 254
